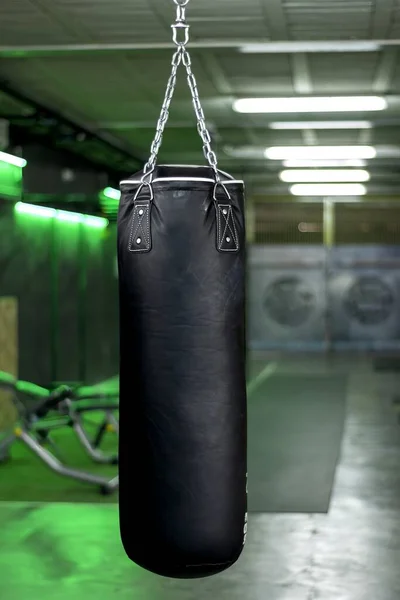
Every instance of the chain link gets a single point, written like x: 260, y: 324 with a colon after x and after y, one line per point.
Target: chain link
x: 201, y: 123
x: 164, y: 115
x: 181, y: 56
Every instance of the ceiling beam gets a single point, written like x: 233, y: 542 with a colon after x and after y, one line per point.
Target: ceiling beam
x: 253, y: 138
x: 365, y: 137
x: 231, y: 122
x: 382, y: 83
x: 54, y: 13
x: 216, y: 73
x: 272, y: 47
x: 275, y: 19
x: 385, y: 71
x: 382, y: 18
x: 59, y: 126
x: 302, y: 83
x: 129, y: 125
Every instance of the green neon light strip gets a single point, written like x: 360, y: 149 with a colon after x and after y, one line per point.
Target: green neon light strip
x: 60, y: 215
x: 112, y: 193
x: 12, y: 160
x: 109, y: 200
x: 10, y: 180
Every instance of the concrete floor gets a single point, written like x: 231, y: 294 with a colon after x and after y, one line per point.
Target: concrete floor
x: 60, y: 552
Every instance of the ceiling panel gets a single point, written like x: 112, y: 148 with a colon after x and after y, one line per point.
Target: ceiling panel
x: 343, y: 73
x: 395, y: 82
x: 257, y: 73
x: 64, y: 21
x: 394, y: 31
x: 23, y: 22
x: 104, y: 87
x: 328, y: 19
x: 14, y: 107
x: 386, y: 135
x: 120, y: 90
x: 27, y: 22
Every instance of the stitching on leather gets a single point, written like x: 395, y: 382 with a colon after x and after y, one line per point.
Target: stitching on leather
x: 227, y: 226
x: 219, y: 226
x: 233, y: 232
x: 144, y: 232
x: 228, y: 562
x: 134, y: 231
x: 234, y: 228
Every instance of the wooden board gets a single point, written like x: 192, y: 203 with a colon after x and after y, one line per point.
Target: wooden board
x: 8, y: 357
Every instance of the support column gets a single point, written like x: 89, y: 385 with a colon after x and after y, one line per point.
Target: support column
x: 329, y: 222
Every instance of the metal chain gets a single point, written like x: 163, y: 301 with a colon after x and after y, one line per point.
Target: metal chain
x: 181, y: 56
x: 201, y: 122
x: 164, y: 115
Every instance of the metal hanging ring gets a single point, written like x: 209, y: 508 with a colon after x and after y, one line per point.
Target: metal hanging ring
x: 149, y: 186
x: 219, y: 183
x: 180, y: 26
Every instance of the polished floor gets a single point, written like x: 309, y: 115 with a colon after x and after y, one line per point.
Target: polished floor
x: 65, y: 551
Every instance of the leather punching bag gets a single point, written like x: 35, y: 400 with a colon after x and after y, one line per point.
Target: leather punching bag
x: 182, y: 449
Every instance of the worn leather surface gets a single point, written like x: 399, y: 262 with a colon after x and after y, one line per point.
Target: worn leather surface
x: 182, y: 455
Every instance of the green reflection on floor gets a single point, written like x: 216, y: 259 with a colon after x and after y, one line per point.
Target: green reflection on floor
x: 26, y: 478
x: 64, y: 551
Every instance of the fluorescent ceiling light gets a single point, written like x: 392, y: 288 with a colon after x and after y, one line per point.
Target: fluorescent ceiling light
x: 291, y: 125
x: 310, y: 164
x: 355, y: 189
x: 12, y: 160
x: 310, y: 104
x: 319, y: 152
x: 60, y: 215
x: 324, y: 176
x: 317, y: 46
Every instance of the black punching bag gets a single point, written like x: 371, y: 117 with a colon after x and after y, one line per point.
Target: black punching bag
x: 182, y: 449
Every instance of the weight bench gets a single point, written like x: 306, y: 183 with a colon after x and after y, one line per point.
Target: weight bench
x: 33, y: 430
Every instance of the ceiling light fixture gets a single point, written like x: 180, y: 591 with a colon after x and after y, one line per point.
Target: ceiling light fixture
x: 319, y: 152
x: 12, y: 160
x: 310, y: 104
x: 324, y: 176
x: 311, y: 164
x: 355, y: 189
x: 317, y: 46
x: 294, y: 125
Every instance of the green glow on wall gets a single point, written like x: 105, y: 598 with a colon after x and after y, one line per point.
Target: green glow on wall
x: 60, y: 215
x: 10, y: 180
x: 112, y: 193
x: 109, y: 201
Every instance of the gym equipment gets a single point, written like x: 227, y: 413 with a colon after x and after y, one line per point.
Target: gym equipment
x: 34, y: 428
x: 182, y: 443
x: 88, y: 400
x: 78, y: 410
